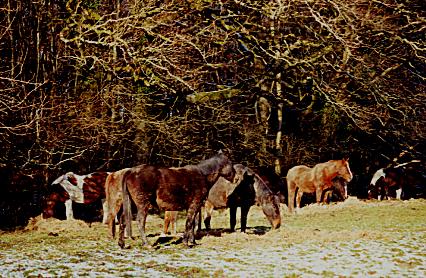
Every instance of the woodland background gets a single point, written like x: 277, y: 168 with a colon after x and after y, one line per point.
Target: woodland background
x: 88, y: 85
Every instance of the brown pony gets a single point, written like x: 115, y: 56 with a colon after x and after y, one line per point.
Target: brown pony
x: 172, y: 189
x: 302, y: 179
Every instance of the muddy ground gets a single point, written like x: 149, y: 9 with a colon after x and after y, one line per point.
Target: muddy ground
x: 353, y: 238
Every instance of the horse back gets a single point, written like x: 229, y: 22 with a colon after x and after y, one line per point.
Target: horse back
x: 300, y: 172
x: 94, y: 186
x: 142, y: 179
x: 179, y: 187
x: 219, y: 193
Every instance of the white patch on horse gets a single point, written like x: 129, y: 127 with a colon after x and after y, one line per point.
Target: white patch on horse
x: 379, y: 174
x: 68, y: 209
x: 75, y: 191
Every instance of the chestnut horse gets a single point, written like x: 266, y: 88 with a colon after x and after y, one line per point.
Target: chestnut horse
x: 249, y: 189
x: 302, y: 179
x: 172, y: 189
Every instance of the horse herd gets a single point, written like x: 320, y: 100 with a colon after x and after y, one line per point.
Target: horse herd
x: 216, y: 183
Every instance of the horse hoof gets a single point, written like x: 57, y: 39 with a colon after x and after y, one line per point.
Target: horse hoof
x: 191, y: 244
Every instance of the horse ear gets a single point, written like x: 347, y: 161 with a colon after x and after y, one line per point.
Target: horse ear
x: 346, y: 158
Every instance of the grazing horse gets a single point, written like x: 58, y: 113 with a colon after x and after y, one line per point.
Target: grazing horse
x: 249, y: 189
x: 85, y: 189
x: 302, y: 179
x: 273, y: 181
x: 338, y: 189
x: 55, y: 196
x: 403, y: 181
x: 172, y: 189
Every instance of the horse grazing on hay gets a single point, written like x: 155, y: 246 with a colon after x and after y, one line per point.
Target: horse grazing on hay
x: 171, y: 189
x: 249, y: 189
x: 83, y: 189
x: 302, y: 179
x: 337, y: 192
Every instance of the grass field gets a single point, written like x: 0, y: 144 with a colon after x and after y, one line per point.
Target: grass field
x: 352, y: 239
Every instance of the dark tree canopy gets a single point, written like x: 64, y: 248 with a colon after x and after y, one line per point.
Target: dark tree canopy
x: 87, y: 85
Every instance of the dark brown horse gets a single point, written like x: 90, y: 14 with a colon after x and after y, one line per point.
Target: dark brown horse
x: 249, y: 189
x: 56, y: 195
x: 337, y: 192
x: 172, y: 189
x: 305, y: 179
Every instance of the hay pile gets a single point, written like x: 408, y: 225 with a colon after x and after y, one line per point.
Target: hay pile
x: 53, y: 225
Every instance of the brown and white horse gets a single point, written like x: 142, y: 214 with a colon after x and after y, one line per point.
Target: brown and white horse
x: 402, y: 181
x: 171, y: 189
x: 302, y: 179
x: 83, y: 189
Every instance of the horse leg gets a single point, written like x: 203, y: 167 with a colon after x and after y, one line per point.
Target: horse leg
x: 114, y: 212
x: 244, y: 212
x: 105, y: 211
x: 174, y: 222
x: 141, y: 220
x: 326, y: 196
x: 298, y: 199
x: 68, y: 209
x: 199, y: 220
x: 233, y: 217
x: 188, y: 236
x: 318, y: 193
x: 122, y: 227
x: 291, y: 187
x: 208, y: 209
x: 166, y: 222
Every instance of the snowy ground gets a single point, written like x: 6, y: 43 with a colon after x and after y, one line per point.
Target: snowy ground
x: 375, y: 247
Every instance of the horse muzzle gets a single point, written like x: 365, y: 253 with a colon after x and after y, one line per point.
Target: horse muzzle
x: 276, y: 224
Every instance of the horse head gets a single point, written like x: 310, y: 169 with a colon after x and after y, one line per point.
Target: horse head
x: 226, y: 170
x: 343, y: 169
x: 240, y: 171
x: 64, y: 177
x: 340, y: 187
x: 269, y: 202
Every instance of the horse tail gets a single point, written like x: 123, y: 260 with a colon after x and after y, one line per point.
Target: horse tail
x: 127, y: 205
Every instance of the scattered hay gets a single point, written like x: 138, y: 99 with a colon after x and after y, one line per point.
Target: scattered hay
x: 54, y: 226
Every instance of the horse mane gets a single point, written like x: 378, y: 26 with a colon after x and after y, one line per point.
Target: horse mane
x: 259, y: 185
x: 211, y: 165
x: 260, y: 181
